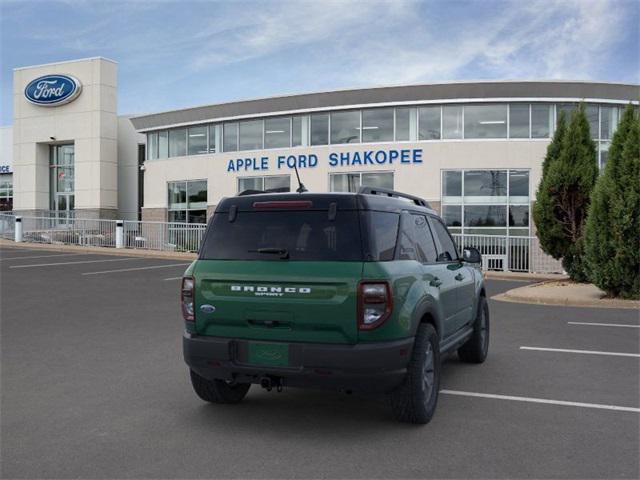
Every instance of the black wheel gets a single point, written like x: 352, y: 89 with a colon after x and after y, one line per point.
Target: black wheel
x: 416, y: 399
x: 476, y: 348
x: 218, y: 391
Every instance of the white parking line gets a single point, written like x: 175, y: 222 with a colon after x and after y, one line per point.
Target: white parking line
x: 622, y: 325
x: 588, y: 352
x: 75, y: 263
x: 172, y: 278
x: 138, y: 268
x: 43, y: 256
x: 541, y: 400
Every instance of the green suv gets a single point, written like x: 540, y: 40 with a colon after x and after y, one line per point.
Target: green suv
x: 351, y: 291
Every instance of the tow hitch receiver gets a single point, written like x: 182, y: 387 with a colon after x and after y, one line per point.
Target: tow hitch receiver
x: 270, y: 382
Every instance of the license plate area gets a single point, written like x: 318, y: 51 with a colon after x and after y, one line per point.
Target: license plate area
x: 268, y: 354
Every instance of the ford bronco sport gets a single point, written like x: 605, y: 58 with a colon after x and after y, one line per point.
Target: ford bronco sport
x: 351, y: 291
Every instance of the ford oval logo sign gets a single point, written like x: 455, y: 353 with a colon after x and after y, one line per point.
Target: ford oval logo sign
x: 52, y: 90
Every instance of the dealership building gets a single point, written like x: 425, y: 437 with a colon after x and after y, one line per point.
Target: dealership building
x: 474, y: 150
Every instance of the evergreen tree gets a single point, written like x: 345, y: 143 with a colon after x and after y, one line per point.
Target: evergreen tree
x: 564, y: 196
x: 549, y: 231
x: 612, y: 238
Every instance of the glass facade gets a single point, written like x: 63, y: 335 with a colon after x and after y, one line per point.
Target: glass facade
x: 187, y: 201
x: 62, y: 179
x: 352, y: 181
x: 6, y: 192
x: 486, y: 202
x: 370, y: 125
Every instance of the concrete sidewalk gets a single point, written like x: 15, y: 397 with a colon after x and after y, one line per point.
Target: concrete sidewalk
x: 129, y: 252
x: 566, y: 293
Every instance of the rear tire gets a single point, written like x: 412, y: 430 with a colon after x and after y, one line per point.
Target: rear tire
x: 475, y: 349
x: 218, y: 391
x: 416, y: 399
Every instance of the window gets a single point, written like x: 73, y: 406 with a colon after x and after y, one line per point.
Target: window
x: 567, y: 108
x: 485, y: 183
x: 604, y: 154
x: 592, y: 117
x: 608, y: 122
x: 178, y: 142
x: 452, y: 184
x: 251, y: 135
x: 230, y: 137
x: 452, y: 122
x: 307, y: 235
x: 277, y: 132
x: 377, y: 125
x: 485, y: 121
x: 320, y: 129
x: 197, y: 140
x: 541, y: 116
x: 495, y: 202
x: 345, y: 127
x: 519, y: 120
x: 264, y: 183
x: 383, y: 233
x: 187, y: 201
x: 403, y: 124
x: 429, y: 123
x: 296, y: 131
x: 152, y: 146
x: 351, y: 182
x: 519, y: 185
x: 212, y: 138
x: 62, y: 179
x: 416, y: 242
x: 6, y: 192
x: 452, y: 215
x: 163, y: 144
x: 447, y: 250
x: 485, y: 216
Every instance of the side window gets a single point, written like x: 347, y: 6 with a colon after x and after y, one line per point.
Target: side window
x: 447, y: 250
x: 383, y: 233
x: 416, y: 242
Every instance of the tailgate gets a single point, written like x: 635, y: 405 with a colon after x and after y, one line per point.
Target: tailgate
x: 302, y: 301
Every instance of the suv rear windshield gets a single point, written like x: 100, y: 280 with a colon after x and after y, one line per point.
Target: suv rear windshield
x: 265, y: 235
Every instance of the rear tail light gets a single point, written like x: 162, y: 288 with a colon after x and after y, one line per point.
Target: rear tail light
x: 187, y: 295
x: 375, y: 303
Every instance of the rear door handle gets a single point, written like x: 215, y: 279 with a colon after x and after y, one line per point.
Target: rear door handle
x: 459, y: 277
x: 435, y: 282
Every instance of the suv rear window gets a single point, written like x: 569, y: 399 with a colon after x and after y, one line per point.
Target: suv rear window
x: 305, y: 235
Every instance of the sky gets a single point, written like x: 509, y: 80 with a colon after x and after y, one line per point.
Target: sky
x: 177, y: 54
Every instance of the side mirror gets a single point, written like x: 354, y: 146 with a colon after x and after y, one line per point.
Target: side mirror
x: 471, y: 255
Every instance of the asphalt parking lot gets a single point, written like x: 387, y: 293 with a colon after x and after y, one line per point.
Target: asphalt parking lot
x: 93, y: 386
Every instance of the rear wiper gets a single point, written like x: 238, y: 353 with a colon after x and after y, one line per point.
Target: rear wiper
x: 283, y: 252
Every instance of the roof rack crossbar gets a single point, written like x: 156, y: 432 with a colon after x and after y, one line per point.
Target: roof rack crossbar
x: 392, y: 193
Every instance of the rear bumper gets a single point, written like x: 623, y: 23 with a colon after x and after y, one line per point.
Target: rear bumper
x: 368, y: 367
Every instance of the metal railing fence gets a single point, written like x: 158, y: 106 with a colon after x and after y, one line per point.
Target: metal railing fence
x: 69, y: 231
x: 164, y: 236
x: 7, y: 226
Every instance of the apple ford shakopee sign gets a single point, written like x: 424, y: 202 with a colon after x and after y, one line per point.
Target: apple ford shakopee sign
x: 53, y: 90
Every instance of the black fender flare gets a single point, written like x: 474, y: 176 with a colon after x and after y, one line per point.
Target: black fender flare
x: 426, y: 307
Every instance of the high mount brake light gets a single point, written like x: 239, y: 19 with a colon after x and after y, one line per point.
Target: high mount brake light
x: 375, y: 303
x: 284, y: 204
x: 187, y: 299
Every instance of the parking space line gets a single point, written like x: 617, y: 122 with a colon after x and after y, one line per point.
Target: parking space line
x: 172, y: 278
x: 587, y: 352
x: 622, y: 325
x: 138, y: 268
x: 75, y: 263
x: 541, y: 400
x: 43, y: 256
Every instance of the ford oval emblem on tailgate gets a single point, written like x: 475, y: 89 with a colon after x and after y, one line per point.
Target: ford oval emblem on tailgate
x: 207, y: 308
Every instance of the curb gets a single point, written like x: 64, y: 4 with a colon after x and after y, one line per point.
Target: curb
x: 524, y: 277
x: 126, y: 252
x: 512, y: 297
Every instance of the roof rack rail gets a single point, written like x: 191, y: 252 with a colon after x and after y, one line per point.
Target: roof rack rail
x: 392, y: 193
x: 268, y: 190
